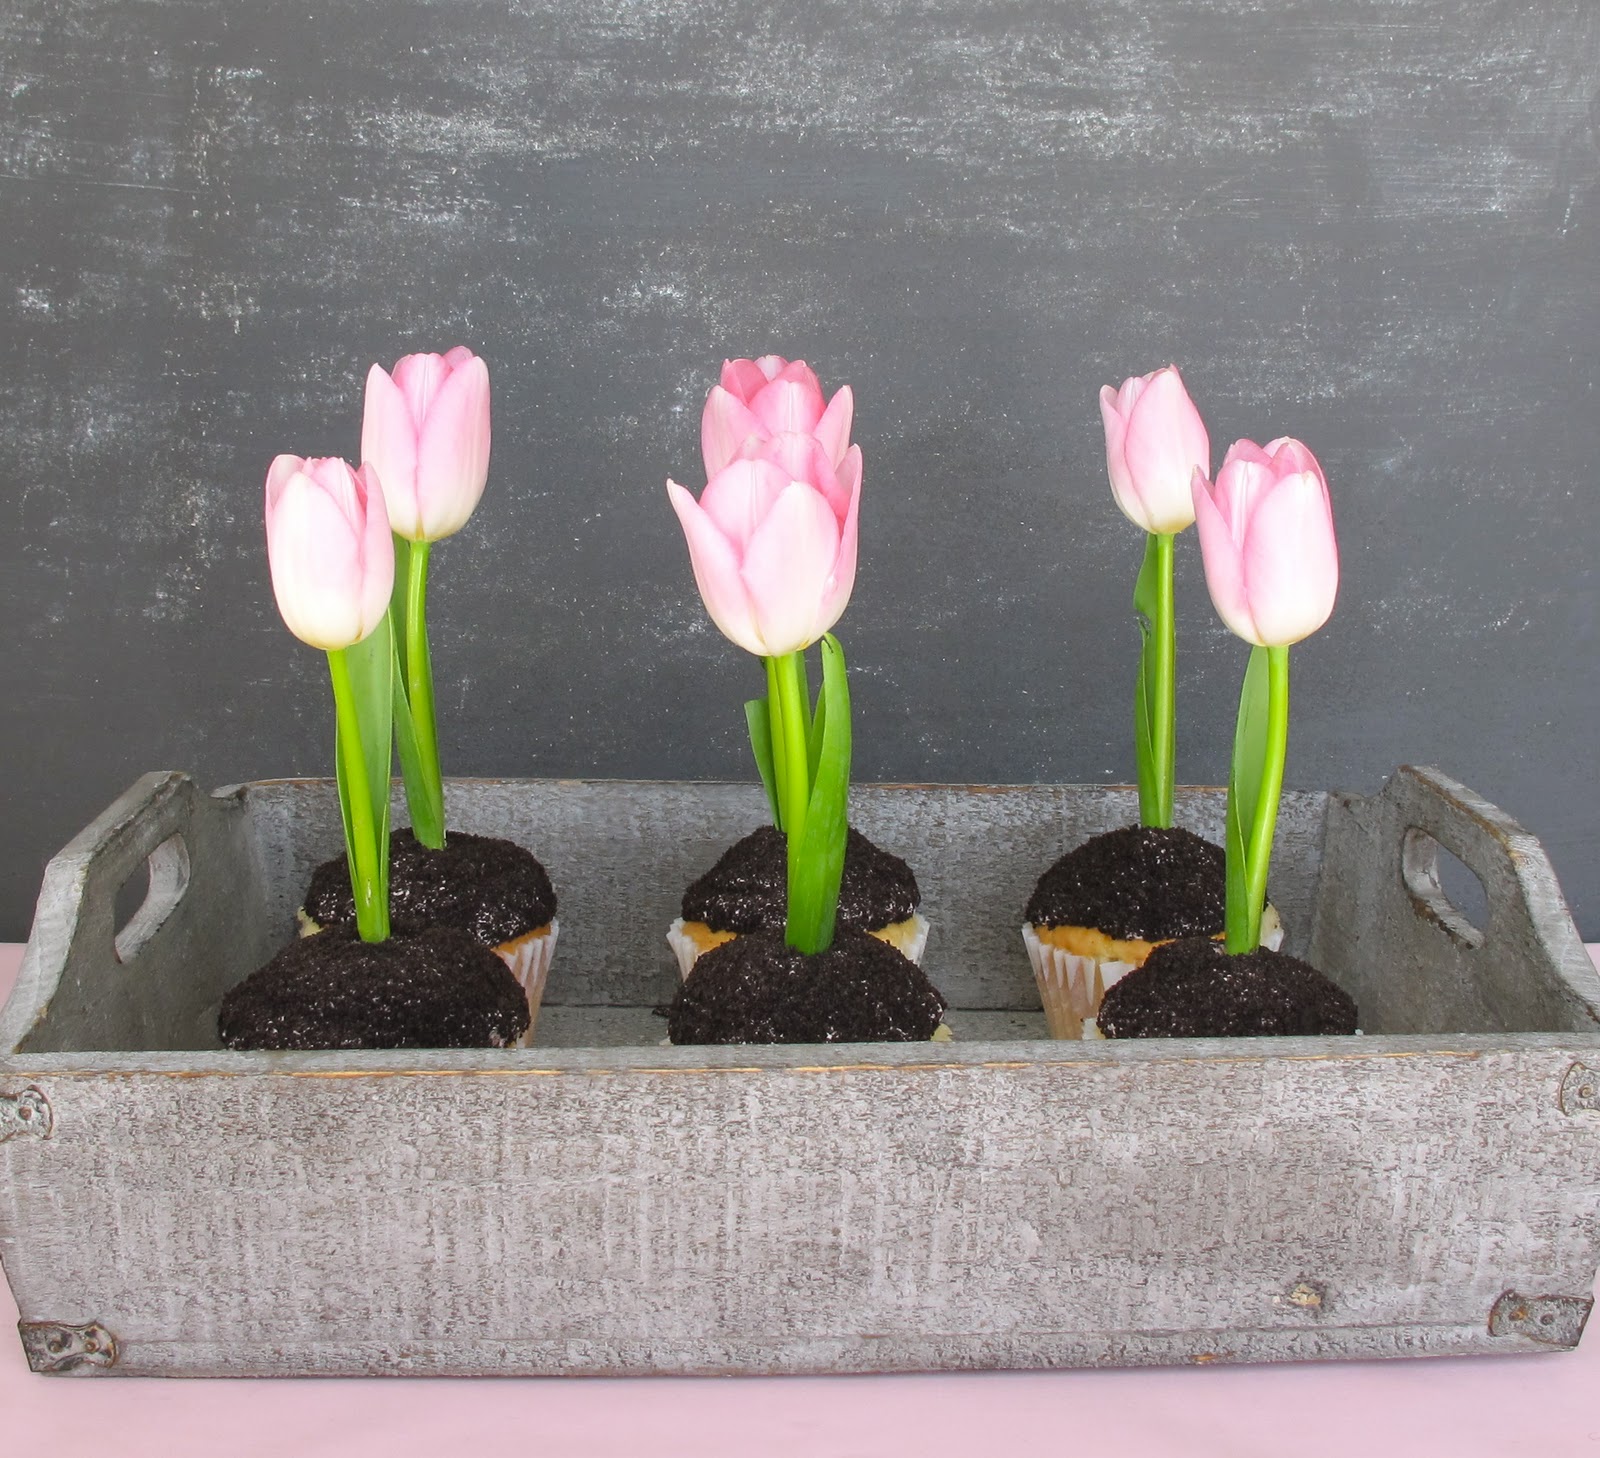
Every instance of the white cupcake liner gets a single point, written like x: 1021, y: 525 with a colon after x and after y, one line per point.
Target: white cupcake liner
x: 686, y: 949
x: 1071, y: 986
x: 529, y: 959
x: 919, y: 937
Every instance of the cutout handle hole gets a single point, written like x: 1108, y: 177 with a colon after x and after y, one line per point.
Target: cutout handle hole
x: 1444, y: 888
x: 150, y: 895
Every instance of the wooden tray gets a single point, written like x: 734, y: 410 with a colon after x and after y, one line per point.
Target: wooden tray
x: 602, y: 1204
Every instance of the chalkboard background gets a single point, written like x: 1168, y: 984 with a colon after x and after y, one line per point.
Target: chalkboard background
x: 1372, y: 224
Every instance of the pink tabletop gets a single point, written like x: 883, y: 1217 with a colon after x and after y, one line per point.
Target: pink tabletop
x: 1545, y: 1405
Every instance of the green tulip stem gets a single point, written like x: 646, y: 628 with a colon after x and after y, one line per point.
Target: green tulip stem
x: 777, y: 743
x: 1155, y: 734
x: 1243, y: 924
x: 429, y: 827
x: 794, y: 779
x: 366, y: 879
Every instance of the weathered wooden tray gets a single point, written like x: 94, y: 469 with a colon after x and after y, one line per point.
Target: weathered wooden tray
x: 604, y: 1204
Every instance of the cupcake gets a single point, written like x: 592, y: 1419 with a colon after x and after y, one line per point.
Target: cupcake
x: 1101, y: 910
x: 423, y: 987
x: 754, y: 988
x: 1194, y: 989
x: 492, y: 889
x: 745, y: 891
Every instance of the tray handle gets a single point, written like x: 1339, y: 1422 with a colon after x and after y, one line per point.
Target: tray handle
x: 74, y: 974
x: 1382, y: 917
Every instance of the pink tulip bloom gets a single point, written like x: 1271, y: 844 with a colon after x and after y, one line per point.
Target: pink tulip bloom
x: 1266, y: 534
x: 1155, y: 441
x: 773, y: 541
x: 425, y: 431
x: 762, y: 398
x: 329, y: 548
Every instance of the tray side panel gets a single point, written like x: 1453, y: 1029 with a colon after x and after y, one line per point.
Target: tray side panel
x: 855, y: 1218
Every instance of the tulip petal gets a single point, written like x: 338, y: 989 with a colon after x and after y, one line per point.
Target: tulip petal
x: 802, y: 458
x: 315, y: 561
x: 787, y: 566
x: 741, y: 378
x: 1289, y: 455
x: 389, y: 442
x: 1245, y: 450
x: 1165, y: 440
x: 455, y: 358
x: 790, y: 402
x: 279, y: 474
x: 726, y: 424
x: 1223, y: 560
x: 839, y: 583
x: 419, y: 377
x: 771, y: 365
x: 1241, y: 483
x: 849, y: 485
x: 377, y: 550
x: 1116, y: 428
x: 337, y: 479
x: 738, y: 498
x: 1290, y: 560
x: 797, y: 372
x: 833, y: 428
x: 716, y: 572
x: 453, y: 451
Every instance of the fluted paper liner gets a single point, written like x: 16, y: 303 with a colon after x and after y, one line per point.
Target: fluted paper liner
x: 1071, y: 986
x: 529, y: 959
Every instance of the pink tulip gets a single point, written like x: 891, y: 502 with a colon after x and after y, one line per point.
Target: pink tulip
x: 1266, y: 534
x: 426, y: 432
x: 329, y: 548
x: 773, y: 540
x: 1155, y: 441
x: 762, y: 398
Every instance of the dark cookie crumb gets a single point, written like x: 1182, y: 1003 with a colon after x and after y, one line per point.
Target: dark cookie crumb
x: 425, y: 987
x: 1194, y: 989
x: 1138, y: 883
x: 494, y: 889
x: 757, y: 989
x: 746, y: 890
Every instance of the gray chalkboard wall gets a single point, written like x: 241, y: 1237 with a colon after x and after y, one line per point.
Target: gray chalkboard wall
x: 1373, y: 224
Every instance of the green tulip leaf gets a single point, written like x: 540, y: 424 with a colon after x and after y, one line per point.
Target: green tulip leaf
x: 397, y: 598
x: 818, y: 727
x: 816, y: 865
x: 1244, y: 795
x: 424, y: 795
x: 805, y: 696
x: 424, y: 784
x: 759, y: 721
x: 363, y: 677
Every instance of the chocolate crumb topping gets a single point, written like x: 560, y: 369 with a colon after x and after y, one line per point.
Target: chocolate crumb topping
x: 746, y: 889
x: 1137, y: 883
x: 491, y: 888
x: 757, y: 989
x: 425, y: 987
x: 1194, y: 989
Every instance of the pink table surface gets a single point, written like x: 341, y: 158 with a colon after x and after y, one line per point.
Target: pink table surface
x: 1545, y: 1405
